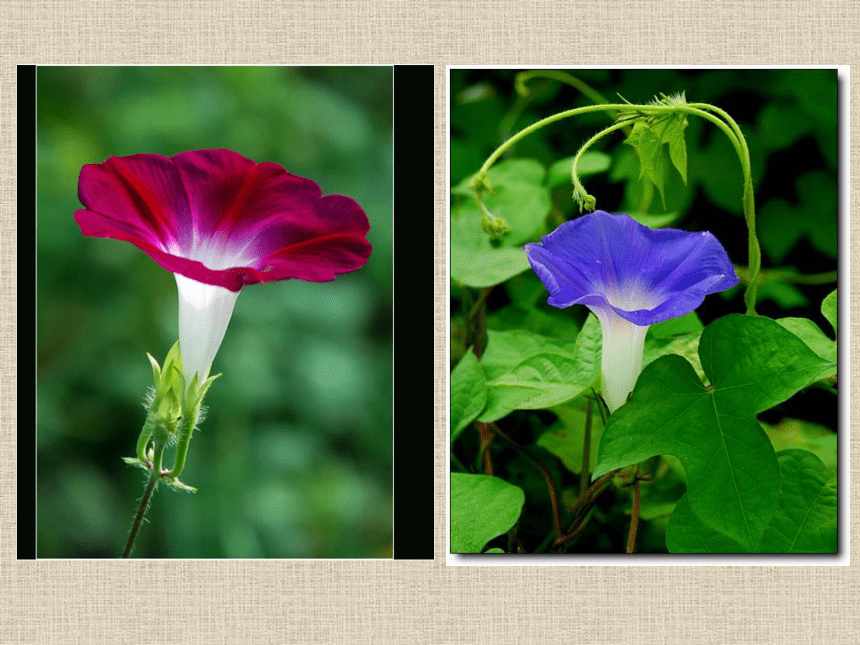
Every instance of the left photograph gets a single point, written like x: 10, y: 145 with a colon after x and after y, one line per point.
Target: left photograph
x: 214, y: 312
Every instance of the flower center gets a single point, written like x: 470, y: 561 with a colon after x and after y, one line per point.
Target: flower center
x: 631, y: 296
x: 218, y: 253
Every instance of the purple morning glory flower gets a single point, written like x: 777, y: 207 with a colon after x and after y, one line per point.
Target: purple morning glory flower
x: 630, y: 277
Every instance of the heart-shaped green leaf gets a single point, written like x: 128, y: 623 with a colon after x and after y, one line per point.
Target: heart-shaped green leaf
x: 811, y: 334
x: 805, y: 521
x: 686, y: 533
x: 733, y: 479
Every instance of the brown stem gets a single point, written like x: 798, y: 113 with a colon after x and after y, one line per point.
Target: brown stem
x: 486, y: 439
x: 479, y: 303
x: 516, y: 541
x: 480, y: 328
x: 466, y: 300
x: 592, y: 491
x: 550, y: 484
x: 634, y: 518
x: 586, y: 450
x: 582, y: 506
x: 570, y: 536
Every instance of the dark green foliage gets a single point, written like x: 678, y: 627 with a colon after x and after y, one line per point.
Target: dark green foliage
x: 732, y: 423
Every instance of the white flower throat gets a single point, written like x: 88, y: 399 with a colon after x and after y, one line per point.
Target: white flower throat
x: 204, y: 313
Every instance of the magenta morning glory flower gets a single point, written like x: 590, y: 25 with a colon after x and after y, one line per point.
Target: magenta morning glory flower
x: 630, y: 277
x: 219, y: 221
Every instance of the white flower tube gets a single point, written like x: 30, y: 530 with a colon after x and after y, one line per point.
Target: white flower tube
x: 204, y: 313
x: 621, y: 360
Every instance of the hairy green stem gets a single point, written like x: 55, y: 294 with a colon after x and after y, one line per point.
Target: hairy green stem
x: 579, y: 191
x: 703, y: 110
x: 154, y: 476
x: 749, y: 204
x: 557, y: 75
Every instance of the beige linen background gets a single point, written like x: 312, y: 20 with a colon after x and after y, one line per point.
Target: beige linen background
x: 154, y: 602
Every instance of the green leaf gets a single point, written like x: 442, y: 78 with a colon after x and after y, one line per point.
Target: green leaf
x: 564, y: 439
x: 780, y: 227
x: 482, y: 507
x: 674, y: 326
x: 517, y: 194
x: 468, y: 393
x: 685, y: 345
x: 655, y: 221
x: 754, y: 364
x: 546, y: 378
x: 591, y: 163
x: 805, y: 521
x: 507, y: 349
x: 818, y: 194
x: 811, y: 334
x: 733, y: 479
x: 557, y: 323
x: 659, y: 497
x: 517, y: 171
x: 686, y: 533
x: 782, y: 125
x: 718, y: 170
x: 475, y: 262
x: 786, y: 295
x: 829, y: 309
x: 649, y: 135
x: 495, y: 549
x: 795, y: 433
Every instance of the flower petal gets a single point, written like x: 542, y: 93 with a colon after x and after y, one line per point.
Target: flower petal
x: 221, y: 219
x: 612, y: 261
x: 233, y: 194
x: 142, y: 193
x: 313, y: 251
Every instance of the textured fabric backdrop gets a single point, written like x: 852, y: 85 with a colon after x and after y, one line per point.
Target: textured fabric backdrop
x: 153, y: 602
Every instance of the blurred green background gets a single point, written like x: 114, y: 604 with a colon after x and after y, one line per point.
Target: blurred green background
x: 294, y: 458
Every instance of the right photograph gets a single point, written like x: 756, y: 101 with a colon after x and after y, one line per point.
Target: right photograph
x: 643, y: 311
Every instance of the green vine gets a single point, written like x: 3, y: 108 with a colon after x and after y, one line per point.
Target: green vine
x: 643, y: 117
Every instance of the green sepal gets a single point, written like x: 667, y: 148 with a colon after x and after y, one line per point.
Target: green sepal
x: 173, y: 411
x: 205, y: 388
x: 156, y: 369
x: 134, y: 461
x: 178, y: 485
